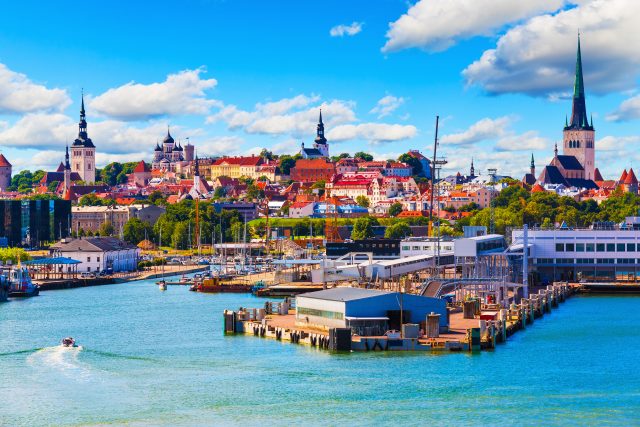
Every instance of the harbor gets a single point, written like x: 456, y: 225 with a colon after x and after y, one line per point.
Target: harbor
x: 185, y: 366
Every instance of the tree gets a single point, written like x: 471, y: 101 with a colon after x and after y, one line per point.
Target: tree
x: 53, y: 185
x: 109, y: 174
x: 219, y: 193
x: 266, y: 154
x: 179, y: 238
x: 395, y: 209
x: 363, y: 156
x: 363, y: 201
x: 416, y: 165
x: 106, y: 229
x: 136, y: 230
x: 340, y: 156
x: 157, y: 198
x: 90, y: 200
x: 399, y: 230
x: 363, y: 228
x: 286, y: 163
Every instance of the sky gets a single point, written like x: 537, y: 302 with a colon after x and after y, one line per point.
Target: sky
x: 237, y: 76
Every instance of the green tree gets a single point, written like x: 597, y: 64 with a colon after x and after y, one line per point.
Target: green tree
x: 286, y: 163
x: 53, y: 186
x: 219, y: 193
x: 136, y: 230
x: 106, y: 229
x: 13, y: 255
x: 416, y: 165
x: 180, y: 236
x: 363, y: 156
x: 399, y: 230
x: 363, y: 201
x: 109, y: 174
x: 395, y: 209
x: 266, y: 154
x: 363, y: 228
x: 157, y: 198
x: 90, y: 200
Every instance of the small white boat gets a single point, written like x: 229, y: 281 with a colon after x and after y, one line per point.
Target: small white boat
x: 68, y: 342
x: 162, y: 285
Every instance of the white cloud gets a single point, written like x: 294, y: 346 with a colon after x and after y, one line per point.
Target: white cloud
x: 19, y: 95
x: 538, y: 57
x: 629, y: 109
x: 289, y: 116
x: 480, y: 131
x: 346, y: 30
x: 387, y: 105
x: 180, y: 94
x: 527, y: 141
x: 616, y: 143
x: 375, y: 133
x: 435, y: 25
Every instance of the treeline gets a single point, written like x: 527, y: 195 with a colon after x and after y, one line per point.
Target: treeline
x: 515, y: 206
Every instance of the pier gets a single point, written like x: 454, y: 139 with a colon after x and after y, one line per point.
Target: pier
x: 472, y: 325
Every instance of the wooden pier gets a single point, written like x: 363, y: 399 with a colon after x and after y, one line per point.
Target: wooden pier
x: 472, y: 326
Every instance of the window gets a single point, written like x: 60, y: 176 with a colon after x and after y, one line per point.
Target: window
x: 599, y: 247
x: 620, y: 247
x: 589, y: 247
x: 579, y: 247
x: 559, y: 247
x: 98, y: 260
x: 611, y: 247
x: 88, y: 259
x: 569, y: 247
x: 631, y: 247
x: 564, y: 260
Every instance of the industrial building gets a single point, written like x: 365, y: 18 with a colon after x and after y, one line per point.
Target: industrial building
x: 379, y: 248
x: 425, y: 246
x: 605, y: 252
x: 365, y: 311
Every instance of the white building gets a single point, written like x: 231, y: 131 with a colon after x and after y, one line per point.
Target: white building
x: 424, y: 246
x: 605, y: 252
x: 99, y: 253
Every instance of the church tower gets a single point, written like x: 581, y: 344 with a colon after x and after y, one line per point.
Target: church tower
x: 83, y: 152
x: 579, y: 135
x: 320, y: 143
x: 66, y: 194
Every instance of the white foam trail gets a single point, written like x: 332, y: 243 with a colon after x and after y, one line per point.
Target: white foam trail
x: 61, y: 359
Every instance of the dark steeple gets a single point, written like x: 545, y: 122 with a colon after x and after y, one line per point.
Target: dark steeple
x: 83, y: 138
x: 320, y: 139
x: 532, y: 166
x: 472, y: 171
x: 579, y: 120
x: 197, y: 167
x: 67, y: 165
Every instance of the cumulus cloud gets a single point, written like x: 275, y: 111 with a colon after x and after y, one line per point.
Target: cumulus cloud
x: 375, y: 133
x: 346, y: 30
x: 387, y: 105
x: 289, y: 116
x: 180, y: 94
x: 527, y: 141
x: 480, y: 131
x: 53, y: 131
x: 616, y: 143
x: 435, y: 25
x: 629, y: 109
x: 538, y: 57
x: 20, y: 95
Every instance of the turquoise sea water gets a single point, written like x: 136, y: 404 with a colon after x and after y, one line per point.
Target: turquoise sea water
x: 159, y: 358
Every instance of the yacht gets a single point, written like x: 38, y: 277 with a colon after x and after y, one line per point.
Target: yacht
x: 20, y: 284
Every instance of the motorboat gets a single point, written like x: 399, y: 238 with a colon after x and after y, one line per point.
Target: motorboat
x: 20, y: 284
x: 68, y: 342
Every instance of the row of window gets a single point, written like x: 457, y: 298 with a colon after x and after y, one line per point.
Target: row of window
x: 427, y: 248
x: 586, y: 261
x: 597, y: 247
x: 305, y: 311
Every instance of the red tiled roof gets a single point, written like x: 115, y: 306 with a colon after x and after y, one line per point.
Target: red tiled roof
x: 537, y: 188
x: 4, y: 162
x: 240, y: 161
x: 631, y: 178
x: 623, y: 176
x: 141, y: 167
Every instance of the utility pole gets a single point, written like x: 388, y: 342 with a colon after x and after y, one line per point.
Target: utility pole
x: 433, y: 170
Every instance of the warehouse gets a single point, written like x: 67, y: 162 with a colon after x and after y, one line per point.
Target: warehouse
x: 365, y: 311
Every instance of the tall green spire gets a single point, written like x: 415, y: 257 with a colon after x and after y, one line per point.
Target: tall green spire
x: 578, y: 86
x: 579, y: 119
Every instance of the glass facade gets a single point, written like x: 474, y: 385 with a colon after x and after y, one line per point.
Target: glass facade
x: 33, y: 223
x: 305, y: 311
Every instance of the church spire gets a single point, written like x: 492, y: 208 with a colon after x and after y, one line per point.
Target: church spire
x: 532, y: 166
x: 67, y: 165
x: 83, y: 119
x: 579, y: 111
x: 555, y: 150
x: 197, y: 167
x: 320, y: 139
x: 472, y: 171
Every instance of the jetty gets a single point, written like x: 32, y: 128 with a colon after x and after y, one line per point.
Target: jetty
x: 471, y: 325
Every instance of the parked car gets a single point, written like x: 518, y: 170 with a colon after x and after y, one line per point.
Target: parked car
x: 87, y: 276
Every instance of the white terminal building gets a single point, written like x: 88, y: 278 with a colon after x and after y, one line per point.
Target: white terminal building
x: 604, y: 252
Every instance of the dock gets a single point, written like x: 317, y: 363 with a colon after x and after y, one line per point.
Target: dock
x: 473, y: 326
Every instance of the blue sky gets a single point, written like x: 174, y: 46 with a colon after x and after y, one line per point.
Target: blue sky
x: 235, y: 76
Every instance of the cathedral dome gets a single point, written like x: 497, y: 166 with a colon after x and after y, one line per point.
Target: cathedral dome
x: 168, y: 139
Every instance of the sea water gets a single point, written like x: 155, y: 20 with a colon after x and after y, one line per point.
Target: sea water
x: 148, y: 357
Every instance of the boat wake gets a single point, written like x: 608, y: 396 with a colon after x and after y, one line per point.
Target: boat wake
x: 13, y: 353
x: 61, y: 359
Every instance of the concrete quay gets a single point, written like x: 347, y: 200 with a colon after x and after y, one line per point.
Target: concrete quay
x: 473, y: 327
